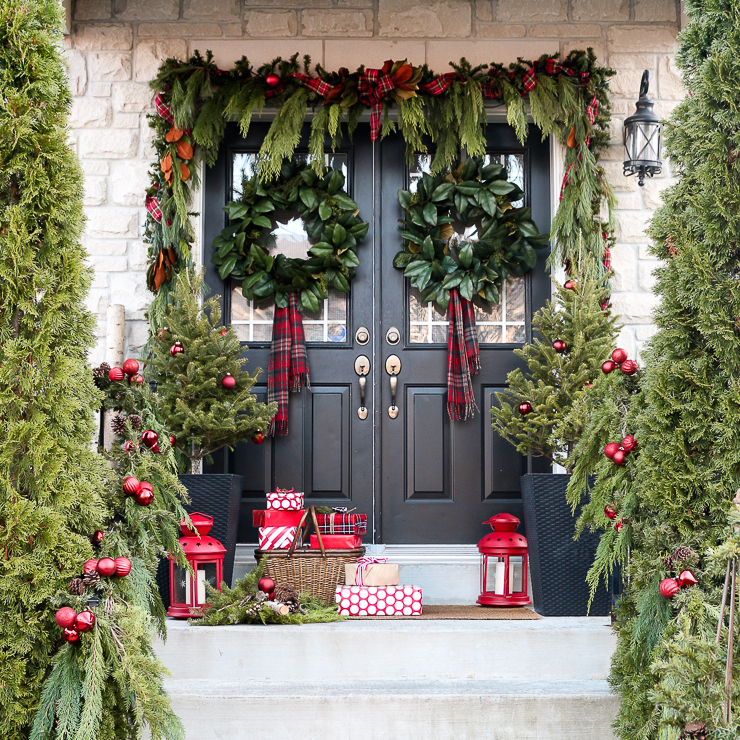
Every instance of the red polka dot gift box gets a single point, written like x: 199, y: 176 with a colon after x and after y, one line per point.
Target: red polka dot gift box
x: 378, y: 601
x: 283, y: 499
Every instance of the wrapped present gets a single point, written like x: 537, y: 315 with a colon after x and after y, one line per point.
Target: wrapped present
x: 283, y: 499
x: 338, y: 523
x: 276, y: 518
x: 277, y: 538
x: 371, y: 571
x: 378, y: 601
x: 337, y: 541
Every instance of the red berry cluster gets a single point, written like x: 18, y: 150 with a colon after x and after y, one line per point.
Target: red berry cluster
x: 619, y: 360
x: 669, y: 587
x: 143, y: 492
x: 617, y: 452
x: 73, y: 623
x: 130, y: 370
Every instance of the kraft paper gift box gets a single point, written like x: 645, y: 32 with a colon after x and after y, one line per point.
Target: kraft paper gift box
x: 374, y: 574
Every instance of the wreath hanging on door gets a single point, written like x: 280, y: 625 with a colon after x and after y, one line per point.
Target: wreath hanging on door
x: 436, y: 256
x: 331, y: 220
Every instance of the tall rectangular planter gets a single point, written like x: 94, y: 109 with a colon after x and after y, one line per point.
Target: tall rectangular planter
x: 558, y: 564
x: 219, y: 496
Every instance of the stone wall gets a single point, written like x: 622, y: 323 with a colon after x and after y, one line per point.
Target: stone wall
x: 116, y: 47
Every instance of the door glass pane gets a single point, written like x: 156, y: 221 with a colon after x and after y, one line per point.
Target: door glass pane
x: 500, y: 324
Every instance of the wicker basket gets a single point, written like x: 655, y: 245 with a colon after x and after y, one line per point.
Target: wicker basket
x: 309, y: 570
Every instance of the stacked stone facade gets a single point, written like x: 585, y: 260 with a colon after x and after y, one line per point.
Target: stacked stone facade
x: 116, y: 47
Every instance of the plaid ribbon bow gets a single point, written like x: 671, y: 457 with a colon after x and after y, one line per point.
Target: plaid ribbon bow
x: 363, y: 564
x: 319, y: 86
x: 152, y: 205
x: 463, y: 358
x: 552, y: 67
x: 439, y: 84
x: 288, y: 367
x: 163, y: 109
x: 372, y: 86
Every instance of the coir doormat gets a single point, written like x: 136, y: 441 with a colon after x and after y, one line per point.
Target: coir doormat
x: 472, y: 611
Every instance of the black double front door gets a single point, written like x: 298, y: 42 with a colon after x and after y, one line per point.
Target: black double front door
x: 420, y: 477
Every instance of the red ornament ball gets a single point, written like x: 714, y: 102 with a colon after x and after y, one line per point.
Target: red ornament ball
x: 266, y: 585
x: 258, y: 438
x: 156, y: 448
x: 687, y: 578
x: 629, y: 367
x: 123, y: 566
x: 618, y: 526
x: 130, y: 367
x: 145, y: 484
x: 272, y: 80
x: 97, y: 537
x: 608, y: 366
x: 85, y: 621
x: 610, y: 512
x: 229, y: 382
x: 619, y: 457
x: 629, y: 443
x: 176, y: 349
x: 130, y: 485
x: 525, y: 407
x: 138, y: 380
x: 173, y: 441
x: 668, y: 587
x: 149, y: 438
x: 224, y: 332
x: 569, y: 285
x: 559, y: 346
x: 611, y: 449
x: 90, y: 566
x: 128, y: 446
x: 65, y: 617
x: 106, y: 566
x: 144, y: 496
x: 619, y: 355
x: 115, y: 374
x: 71, y: 634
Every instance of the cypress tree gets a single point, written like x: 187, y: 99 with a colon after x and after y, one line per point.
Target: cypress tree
x: 50, y: 478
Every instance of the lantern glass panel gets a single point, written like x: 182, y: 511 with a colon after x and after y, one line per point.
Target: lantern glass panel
x: 206, y: 573
x: 516, y: 574
x: 495, y: 574
x: 182, y: 585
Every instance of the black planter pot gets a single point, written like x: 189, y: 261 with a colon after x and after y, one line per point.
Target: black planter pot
x: 558, y: 564
x: 218, y: 496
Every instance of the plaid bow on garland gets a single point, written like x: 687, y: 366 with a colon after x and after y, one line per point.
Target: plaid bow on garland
x: 288, y: 368
x: 463, y: 358
x: 372, y: 86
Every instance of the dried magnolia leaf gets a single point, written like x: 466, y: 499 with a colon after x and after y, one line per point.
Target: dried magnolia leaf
x: 174, y: 134
x: 572, y: 138
x: 184, y: 150
x: 166, y: 163
x: 184, y: 172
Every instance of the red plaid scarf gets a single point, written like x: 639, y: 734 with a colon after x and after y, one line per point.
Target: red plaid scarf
x: 288, y: 368
x: 463, y: 358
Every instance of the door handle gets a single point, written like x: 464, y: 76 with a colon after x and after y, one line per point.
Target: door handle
x: 393, y: 367
x: 362, y: 368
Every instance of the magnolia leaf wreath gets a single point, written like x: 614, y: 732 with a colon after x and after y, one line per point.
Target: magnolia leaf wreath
x: 331, y: 220
x: 437, y: 256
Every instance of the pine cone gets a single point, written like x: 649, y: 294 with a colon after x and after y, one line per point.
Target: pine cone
x: 684, y: 554
x: 135, y: 420
x: 118, y: 425
x: 100, y: 373
x: 77, y: 586
x: 91, y: 579
x: 694, y: 731
x: 286, y: 593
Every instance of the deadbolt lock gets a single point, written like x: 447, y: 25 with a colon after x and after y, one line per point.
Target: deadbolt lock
x: 362, y: 335
x: 393, y: 336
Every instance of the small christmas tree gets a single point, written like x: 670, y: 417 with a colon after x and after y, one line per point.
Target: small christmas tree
x: 576, y: 336
x: 204, y: 395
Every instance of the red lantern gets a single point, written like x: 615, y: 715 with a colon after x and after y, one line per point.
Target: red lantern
x: 504, y: 560
x: 206, y: 557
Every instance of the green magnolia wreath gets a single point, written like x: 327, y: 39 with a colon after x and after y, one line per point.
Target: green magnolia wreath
x: 330, y: 218
x: 437, y: 259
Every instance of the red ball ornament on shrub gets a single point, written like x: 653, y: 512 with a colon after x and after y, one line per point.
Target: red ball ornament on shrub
x: 71, y: 634
x: 173, y: 441
x: 145, y: 484
x: 608, y: 366
x: 138, y: 380
x: 569, y: 285
x: 629, y: 367
x: 224, y: 332
x: 65, y: 617
x: 525, y: 407
x: 130, y: 485
x: 149, y: 438
x: 144, y: 496
x: 128, y: 446
x: 106, y: 566
x: 229, y: 382
x: 610, y: 512
x: 176, y: 349
x: 123, y: 566
x: 85, y: 621
x: 266, y: 585
x: 272, y: 80
x: 156, y: 448
x: 619, y: 457
x: 618, y: 526
x: 629, y: 443
x: 90, y: 566
x: 258, y: 438
x: 130, y: 367
x: 619, y: 355
x: 611, y: 449
x: 687, y: 578
x: 668, y: 587
x: 115, y: 374
x: 97, y: 537
x: 559, y: 346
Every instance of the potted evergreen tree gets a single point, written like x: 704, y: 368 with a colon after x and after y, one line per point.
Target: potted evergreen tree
x: 541, y: 413
x: 204, y: 398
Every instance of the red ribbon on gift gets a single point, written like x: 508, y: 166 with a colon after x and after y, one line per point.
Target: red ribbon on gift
x: 363, y: 564
x: 372, y: 86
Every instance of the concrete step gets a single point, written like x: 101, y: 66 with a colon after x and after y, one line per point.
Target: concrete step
x: 461, y: 709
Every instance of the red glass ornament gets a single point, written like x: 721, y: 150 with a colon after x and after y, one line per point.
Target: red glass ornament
x: 608, y: 366
x: 629, y: 443
x: 173, y: 441
x: 569, y: 285
x: 610, y: 513
x: 266, y: 585
x: 106, y: 566
x: 128, y: 446
x: 629, y: 367
x: 619, y: 355
x: 164, y: 330
x: 149, y: 438
x: 668, y: 587
x: 559, y: 346
x: 525, y: 407
x: 130, y: 367
x: 85, y: 621
x: 138, y: 380
x: 272, y: 80
x: 618, y: 526
x: 71, y: 634
x: 123, y: 566
x: 588, y: 385
x: 145, y: 484
x: 229, y: 382
x: 115, y: 374
x: 687, y: 578
x: 258, y: 438
x: 65, y: 617
x: 144, y: 496
x: 97, y: 538
x: 130, y: 485
x: 176, y: 348
x: 224, y: 332
x: 619, y: 457
x: 156, y: 448
x: 90, y: 566
x: 611, y: 449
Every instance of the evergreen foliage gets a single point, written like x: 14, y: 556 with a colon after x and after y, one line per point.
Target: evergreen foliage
x: 198, y: 411
x: 555, y: 383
